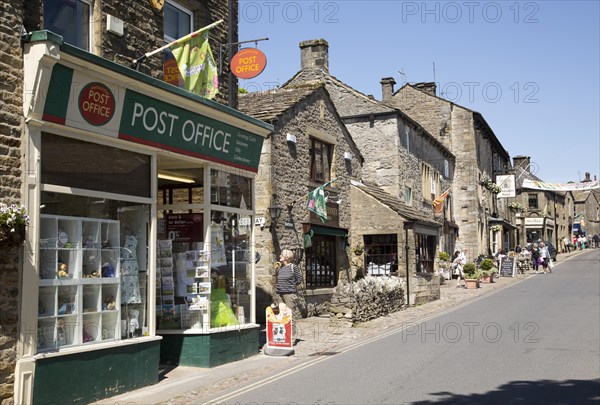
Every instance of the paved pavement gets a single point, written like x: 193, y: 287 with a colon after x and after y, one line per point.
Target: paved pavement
x: 314, y: 337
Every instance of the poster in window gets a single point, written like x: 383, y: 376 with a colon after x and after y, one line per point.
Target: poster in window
x: 218, y: 257
x: 185, y: 227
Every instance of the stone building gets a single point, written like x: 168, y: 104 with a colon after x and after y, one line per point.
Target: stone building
x: 547, y: 213
x: 483, y: 219
x: 402, y: 159
x: 88, y: 307
x: 309, y: 147
x: 586, y: 209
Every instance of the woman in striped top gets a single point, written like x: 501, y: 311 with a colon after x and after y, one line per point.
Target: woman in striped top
x: 288, y: 279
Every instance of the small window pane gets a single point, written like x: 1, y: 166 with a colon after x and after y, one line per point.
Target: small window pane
x: 70, y: 19
x: 177, y: 22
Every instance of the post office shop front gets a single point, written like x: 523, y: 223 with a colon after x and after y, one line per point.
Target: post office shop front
x: 140, y: 247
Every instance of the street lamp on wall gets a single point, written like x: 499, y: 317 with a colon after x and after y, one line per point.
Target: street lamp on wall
x: 275, y: 213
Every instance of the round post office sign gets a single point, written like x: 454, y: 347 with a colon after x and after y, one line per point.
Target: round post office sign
x: 96, y: 104
x: 248, y: 63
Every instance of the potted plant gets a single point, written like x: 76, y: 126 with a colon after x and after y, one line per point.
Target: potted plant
x: 471, y: 275
x: 445, y: 265
x: 487, y: 271
x: 13, y: 220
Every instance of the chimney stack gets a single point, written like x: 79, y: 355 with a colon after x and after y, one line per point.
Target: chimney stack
x: 387, y: 88
x: 522, y: 162
x: 587, y: 178
x: 314, y: 53
x: 427, y: 87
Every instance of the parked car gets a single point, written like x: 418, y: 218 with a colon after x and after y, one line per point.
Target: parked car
x: 549, y: 245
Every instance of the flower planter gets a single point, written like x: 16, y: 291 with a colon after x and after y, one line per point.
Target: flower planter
x: 487, y: 279
x: 12, y: 239
x: 472, y: 283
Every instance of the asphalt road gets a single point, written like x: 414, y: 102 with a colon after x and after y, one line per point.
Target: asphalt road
x: 537, y: 341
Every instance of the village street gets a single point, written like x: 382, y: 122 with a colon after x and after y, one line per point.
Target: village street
x: 533, y: 338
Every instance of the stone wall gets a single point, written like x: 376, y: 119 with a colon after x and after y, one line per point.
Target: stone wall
x: 11, y: 127
x: 366, y: 299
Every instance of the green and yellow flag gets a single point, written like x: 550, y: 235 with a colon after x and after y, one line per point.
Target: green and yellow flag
x: 196, y: 64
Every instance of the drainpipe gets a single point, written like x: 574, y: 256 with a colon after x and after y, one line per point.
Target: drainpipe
x: 407, y: 225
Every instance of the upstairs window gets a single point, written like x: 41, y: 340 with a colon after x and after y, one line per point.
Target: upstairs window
x: 408, y: 195
x: 177, y: 21
x: 533, y: 201
x: 71, y: 19
x: 320, y: 161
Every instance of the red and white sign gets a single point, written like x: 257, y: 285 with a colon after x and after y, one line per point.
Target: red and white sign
x: 96, y: 104
x: 279, y: 328
x: 248, y: 63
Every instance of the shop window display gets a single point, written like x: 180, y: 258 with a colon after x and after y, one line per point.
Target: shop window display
x: 93, y: 256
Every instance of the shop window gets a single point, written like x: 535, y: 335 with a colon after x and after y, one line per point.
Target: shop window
x: 204, y: 285
x: 532, y: 201
x: 381, y: 254
x: 320, y: 161
x: 321, y: 268
x: 93, y: 270
x: 230, y: 190
x: 93, y: 257
x: 177, y: 21
x: 71, y: 19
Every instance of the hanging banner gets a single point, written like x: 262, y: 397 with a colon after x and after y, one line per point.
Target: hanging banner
x: 248, y: 63
x: 540, y: 185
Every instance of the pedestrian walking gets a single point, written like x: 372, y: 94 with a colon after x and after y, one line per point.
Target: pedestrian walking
x: 535, y: 256
x: 459, y: 259
x: 544, y: 256
x: 567, y: 243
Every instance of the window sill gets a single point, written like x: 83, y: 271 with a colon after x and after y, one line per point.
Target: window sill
x: 95, y: 347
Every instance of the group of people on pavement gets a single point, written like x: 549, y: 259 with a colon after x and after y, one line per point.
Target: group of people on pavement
x: 582, y: 242
x: 540, y: 256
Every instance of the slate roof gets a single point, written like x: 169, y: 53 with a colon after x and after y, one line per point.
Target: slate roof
x: 269, y: 105
x: 395, y: 204
x: 340, y: 92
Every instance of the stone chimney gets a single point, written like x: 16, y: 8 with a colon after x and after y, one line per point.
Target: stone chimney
x: 387, y: 88
x: 427, y: 87
x: 587, y: 178
x: 314, y: 53
x: 522, y: 162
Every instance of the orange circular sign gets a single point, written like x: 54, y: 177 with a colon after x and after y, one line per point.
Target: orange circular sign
x: 248, y: 63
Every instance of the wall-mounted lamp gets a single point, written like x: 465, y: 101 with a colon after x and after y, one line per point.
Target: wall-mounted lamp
x: 275, y: 213
x: 348, y: 156
x: 290, y: 138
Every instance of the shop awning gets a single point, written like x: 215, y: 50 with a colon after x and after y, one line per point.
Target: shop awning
x: 325, y: 230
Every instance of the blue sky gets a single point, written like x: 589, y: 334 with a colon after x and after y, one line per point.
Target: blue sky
x: 531, y: 68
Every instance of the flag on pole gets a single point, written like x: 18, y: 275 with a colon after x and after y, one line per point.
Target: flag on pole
x: 196, y: 65
x: 438, y: 203
x: 317, y: 202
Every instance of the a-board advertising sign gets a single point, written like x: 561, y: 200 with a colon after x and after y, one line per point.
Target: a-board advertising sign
x: 507, y: 267
x: 279, y: 329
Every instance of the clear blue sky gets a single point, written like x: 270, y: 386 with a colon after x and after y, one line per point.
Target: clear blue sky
x: 531, y: 68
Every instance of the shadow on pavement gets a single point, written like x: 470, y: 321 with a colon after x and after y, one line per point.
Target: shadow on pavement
x: 529, y: 392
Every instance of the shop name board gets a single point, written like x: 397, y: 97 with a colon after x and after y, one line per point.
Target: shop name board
x: 534, y: 221
x: 153, y: 122
x: 77, y: 100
